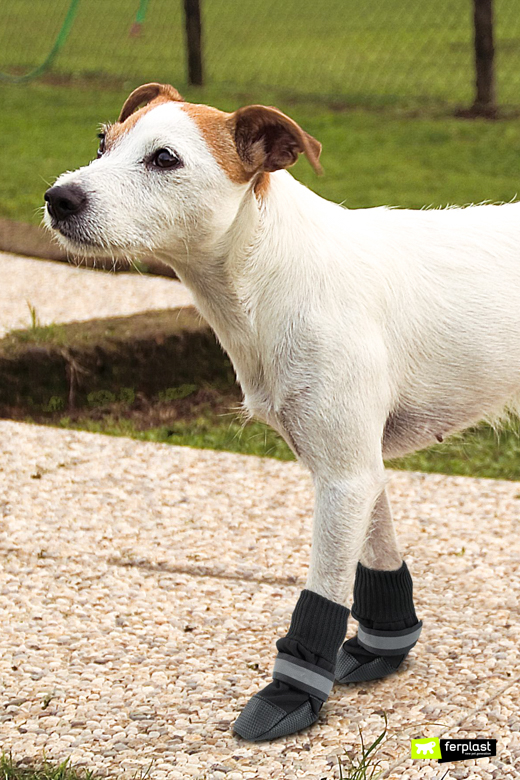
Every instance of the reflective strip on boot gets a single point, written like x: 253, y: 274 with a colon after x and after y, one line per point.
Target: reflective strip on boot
x: 304, y: 676
x: 389, y: 642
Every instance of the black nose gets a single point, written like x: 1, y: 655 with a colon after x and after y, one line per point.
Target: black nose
x: 64, y: 201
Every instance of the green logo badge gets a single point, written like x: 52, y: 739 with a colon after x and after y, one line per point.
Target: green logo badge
x: 428, y: 747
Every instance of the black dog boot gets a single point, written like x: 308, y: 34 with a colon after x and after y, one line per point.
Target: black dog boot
x: 303, y: 672
x: 388, y: 626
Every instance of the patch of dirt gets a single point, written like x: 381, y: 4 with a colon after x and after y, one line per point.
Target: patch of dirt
x: 149, y: 368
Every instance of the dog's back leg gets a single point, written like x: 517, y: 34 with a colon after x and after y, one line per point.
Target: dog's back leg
x: 381, y: 550
x: 383, y: 605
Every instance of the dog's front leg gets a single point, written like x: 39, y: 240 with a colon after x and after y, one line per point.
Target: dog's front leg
x: 383, y: 605
x: 305, y: 666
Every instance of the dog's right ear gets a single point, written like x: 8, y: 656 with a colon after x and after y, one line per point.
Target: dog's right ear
x: 268, y: 140
x: 145, y: 94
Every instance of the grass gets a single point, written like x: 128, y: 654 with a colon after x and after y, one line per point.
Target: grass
x: 379, y: 53
x: 46, y: 770
x: 365, y: 765
x: 398, y: 54
x: 478, y: 452
x: 223, y: 431
x: 140, y: 377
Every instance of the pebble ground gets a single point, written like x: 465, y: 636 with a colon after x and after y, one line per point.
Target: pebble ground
x: 142, y: 588
x: 59, y: 292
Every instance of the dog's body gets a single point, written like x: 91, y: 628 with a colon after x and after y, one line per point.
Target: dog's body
x: 426, y: 303
x: 356, y: 334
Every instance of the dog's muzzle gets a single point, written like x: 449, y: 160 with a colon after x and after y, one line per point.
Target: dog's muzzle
x: 64, y: 201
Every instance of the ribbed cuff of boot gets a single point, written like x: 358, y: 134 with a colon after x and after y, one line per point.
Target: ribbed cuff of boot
x: 318, y: 624
x: 383, y: 596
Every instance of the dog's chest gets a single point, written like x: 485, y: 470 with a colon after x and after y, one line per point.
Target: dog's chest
x: 269, y: 348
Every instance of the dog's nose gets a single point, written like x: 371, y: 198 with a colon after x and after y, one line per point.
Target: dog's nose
x: 65, y: 200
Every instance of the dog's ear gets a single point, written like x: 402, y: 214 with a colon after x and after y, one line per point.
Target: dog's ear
x: 268, y: 140
x: 145, y: 94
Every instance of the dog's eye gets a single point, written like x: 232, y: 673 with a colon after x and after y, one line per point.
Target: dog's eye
x: 101, y: 149
x: 163, y: 158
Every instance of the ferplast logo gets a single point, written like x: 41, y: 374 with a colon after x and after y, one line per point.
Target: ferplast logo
x: 445, y: 750
x: 426, y: 748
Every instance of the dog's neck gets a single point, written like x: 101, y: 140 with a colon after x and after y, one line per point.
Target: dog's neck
x: 267, y: 232
x: 216, y: 270
x: 235, y: 278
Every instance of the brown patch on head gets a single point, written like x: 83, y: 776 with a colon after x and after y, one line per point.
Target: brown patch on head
x: 248, y: 144
x: 214, y: 126
x: 151, y: 95
x: 254, y: 141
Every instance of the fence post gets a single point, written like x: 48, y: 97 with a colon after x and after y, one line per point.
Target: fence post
x: 485, y: 98
x: 193, y: 26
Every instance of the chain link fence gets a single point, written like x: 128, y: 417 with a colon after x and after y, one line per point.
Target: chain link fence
x: 378, y: 52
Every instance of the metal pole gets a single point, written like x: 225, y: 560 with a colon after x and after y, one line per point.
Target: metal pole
x: 485, y: 98
x: 193, y: 27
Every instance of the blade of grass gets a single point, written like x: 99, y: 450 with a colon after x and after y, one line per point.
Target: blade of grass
x: 366, y: 767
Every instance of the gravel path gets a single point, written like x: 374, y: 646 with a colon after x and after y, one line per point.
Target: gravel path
x: 143, y: 586
x: 63, y: 293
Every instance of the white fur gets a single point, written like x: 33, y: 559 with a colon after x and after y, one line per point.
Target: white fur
x: 354, y: 333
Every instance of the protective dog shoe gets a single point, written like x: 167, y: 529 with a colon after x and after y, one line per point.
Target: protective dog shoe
x: 388, y: 626
x: 303, y: 673
x: 276, y: 711
x: 356, y: 663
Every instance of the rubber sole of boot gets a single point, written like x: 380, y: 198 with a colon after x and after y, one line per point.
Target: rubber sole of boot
x: 261, y: 720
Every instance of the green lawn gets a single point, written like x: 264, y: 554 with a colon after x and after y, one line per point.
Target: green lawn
x: 384, y: 53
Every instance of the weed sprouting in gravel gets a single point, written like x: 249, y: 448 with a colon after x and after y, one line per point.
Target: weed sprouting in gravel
x: 46, y: 770
x: 365, y: 766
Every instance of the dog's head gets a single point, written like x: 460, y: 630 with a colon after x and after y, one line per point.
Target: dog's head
x: 169, y: 173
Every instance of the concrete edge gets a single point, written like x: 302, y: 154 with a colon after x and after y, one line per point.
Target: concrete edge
x: 21, y: 238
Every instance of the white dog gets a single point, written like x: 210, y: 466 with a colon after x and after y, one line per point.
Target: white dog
x: 356, y: 334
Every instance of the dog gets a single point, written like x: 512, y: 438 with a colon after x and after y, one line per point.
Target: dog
x: 357, y: 334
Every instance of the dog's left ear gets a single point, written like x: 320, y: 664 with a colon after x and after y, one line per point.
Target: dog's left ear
x: 145, y: 94
x: 268, y: 140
